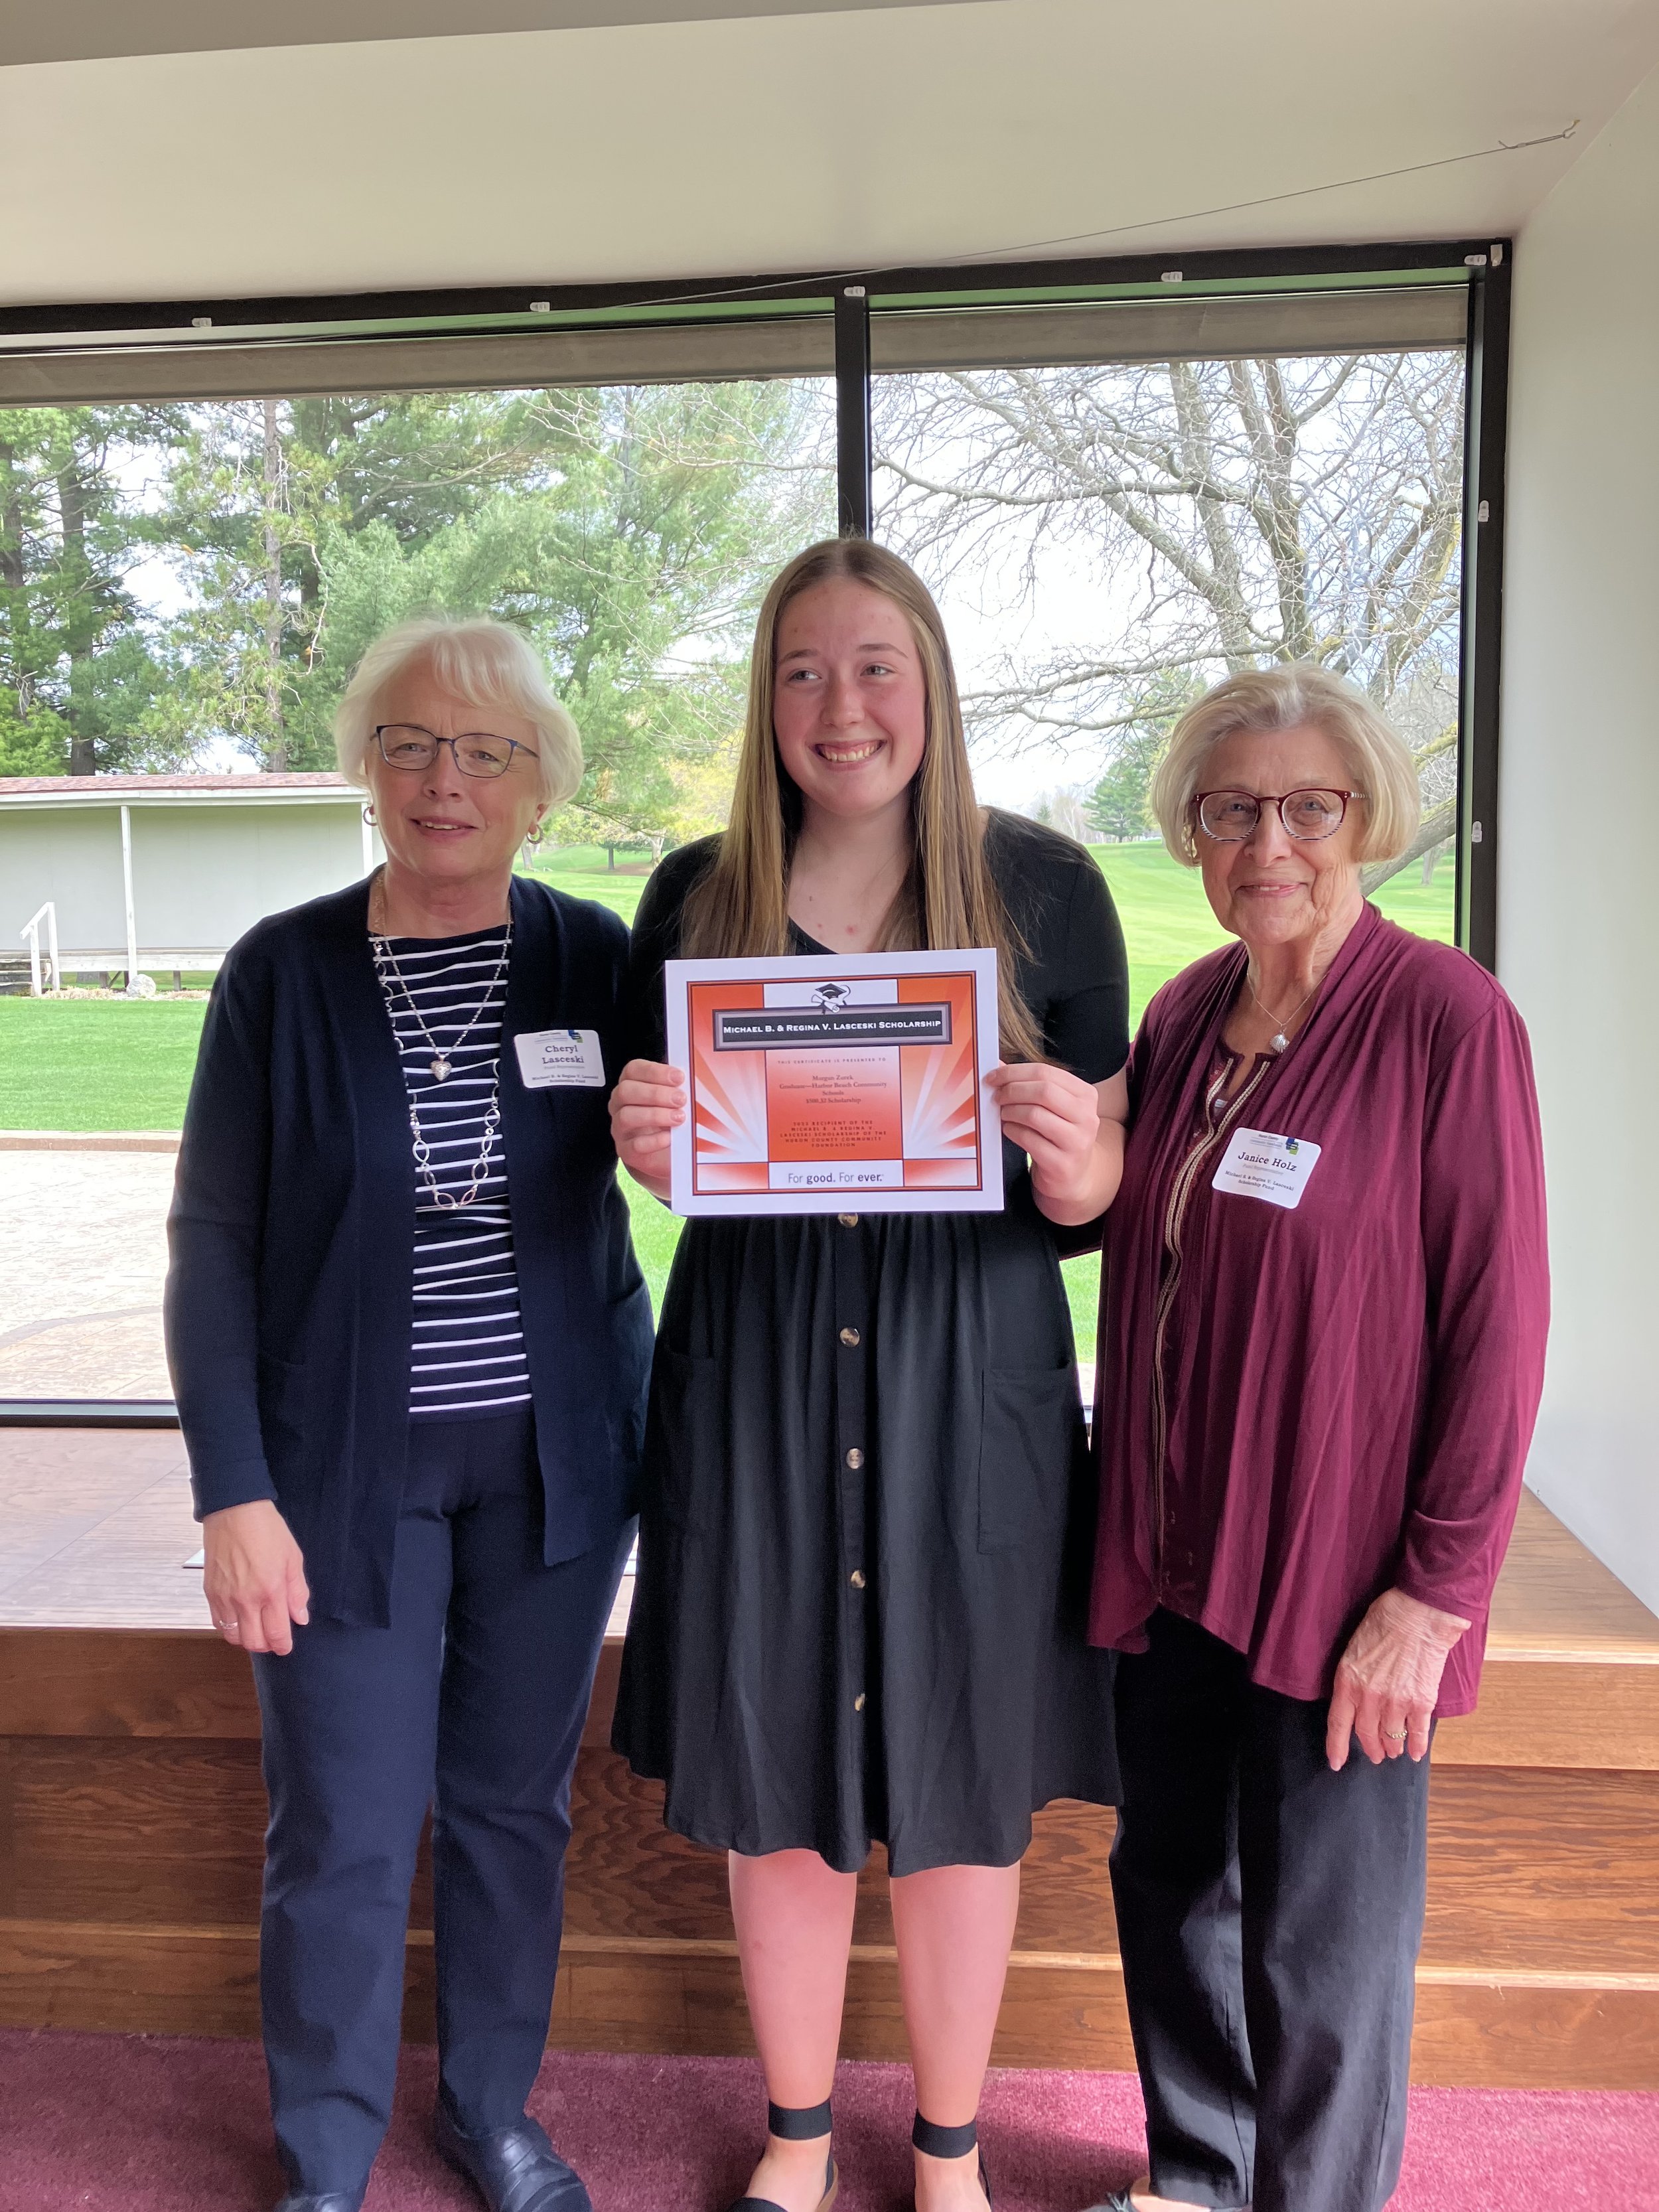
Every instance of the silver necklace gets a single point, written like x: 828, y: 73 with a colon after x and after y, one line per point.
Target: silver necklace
x: 384, y: 959
x: 380, y: 943
x: 1281, y: 1040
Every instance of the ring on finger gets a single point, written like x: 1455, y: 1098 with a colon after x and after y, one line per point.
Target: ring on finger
x: 1394, y: 1735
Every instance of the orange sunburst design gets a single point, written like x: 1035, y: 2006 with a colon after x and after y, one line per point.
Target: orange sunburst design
x: 728, y: 1089
x: 940, y: 1082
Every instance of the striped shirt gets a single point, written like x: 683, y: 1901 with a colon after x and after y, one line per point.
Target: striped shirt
x: 468, y: 1356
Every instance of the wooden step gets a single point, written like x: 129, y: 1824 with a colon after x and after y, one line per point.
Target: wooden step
x: 131, y: 1813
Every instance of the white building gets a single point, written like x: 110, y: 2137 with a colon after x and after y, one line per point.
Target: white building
x: 167, y: 871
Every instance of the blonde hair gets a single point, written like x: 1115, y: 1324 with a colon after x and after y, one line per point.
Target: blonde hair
x: 949, y: 899
x: 1283, y: 698
x: 487, y: 663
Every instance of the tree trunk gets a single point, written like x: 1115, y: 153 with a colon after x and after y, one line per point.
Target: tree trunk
x: 11, y: 523
x: 275, y: 746
x: 1439, y: 826
x: 79, y: 628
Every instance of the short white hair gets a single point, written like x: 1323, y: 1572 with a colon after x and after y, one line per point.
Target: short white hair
x: 487, y: 663
x: 1285, y: 698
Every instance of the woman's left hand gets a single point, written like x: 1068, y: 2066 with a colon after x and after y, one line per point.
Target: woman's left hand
x: 1069, y: 1128
x: 1387, y: 1681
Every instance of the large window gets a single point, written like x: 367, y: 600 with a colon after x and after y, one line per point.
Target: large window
x: 1109, y: 538
x: 1119, y: 489
x: 189, y: 586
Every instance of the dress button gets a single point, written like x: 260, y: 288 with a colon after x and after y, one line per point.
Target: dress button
x: 857, y: 1578
x: 849, y: 1337
x: 858, y: 1703
x: 847, y: 1221
x: 855, y: 1457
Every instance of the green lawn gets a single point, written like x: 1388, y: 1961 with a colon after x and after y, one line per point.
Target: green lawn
x: 96, y: 1063
x: 121, y: 1064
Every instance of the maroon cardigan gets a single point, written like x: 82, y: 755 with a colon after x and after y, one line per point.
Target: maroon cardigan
x: 1351, y: 1386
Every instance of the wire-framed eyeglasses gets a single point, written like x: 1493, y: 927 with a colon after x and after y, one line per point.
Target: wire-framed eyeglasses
x: 475, y: 752
x: 1230, y: 817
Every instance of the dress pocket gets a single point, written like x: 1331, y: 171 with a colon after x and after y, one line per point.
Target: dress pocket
x: 1030, y: 1426
x: 677, y: 1435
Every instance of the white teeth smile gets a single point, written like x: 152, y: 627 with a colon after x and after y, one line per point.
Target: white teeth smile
x: 849, y: 755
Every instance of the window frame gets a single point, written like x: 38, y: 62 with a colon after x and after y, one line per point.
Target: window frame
x: 848, y: 301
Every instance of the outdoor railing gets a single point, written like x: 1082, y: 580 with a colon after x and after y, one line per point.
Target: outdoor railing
x: 31, y: 929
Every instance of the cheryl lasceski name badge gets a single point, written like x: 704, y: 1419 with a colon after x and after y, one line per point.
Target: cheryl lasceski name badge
x: 550, y: 1060
x: 1258, y: 1165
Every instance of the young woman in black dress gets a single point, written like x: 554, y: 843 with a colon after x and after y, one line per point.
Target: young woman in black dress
x: 864, y: 1542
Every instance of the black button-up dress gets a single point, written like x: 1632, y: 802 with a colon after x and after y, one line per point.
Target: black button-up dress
x: 867, y: 1520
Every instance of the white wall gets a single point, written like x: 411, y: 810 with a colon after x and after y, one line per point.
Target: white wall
x: 1578, y: 878
x: 201, y: 875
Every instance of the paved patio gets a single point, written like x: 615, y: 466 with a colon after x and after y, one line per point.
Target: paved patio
x: 81, y: 1264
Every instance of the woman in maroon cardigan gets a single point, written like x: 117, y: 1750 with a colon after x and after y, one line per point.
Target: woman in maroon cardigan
x: 1321, y: 1355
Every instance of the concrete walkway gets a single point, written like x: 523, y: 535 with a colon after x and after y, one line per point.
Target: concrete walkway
x: 82, y: 1258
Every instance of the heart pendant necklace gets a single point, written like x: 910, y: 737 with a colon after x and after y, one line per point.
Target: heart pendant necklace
x: 380, y: 945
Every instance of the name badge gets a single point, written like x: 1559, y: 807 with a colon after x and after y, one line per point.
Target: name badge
x: 554, y: 1060
x: 1257, y: 1165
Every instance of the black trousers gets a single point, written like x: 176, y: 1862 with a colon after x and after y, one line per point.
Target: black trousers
x: 1269, y: 1915
x: 472, y: 1701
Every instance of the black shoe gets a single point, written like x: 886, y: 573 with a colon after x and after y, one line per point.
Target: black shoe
x: 332, y: 2200
x: 831, y: 2191
x: 951, y: 2142
x: 514, y: 2169
x: 798, y: 2123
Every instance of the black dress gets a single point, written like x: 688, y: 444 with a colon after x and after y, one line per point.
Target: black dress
x: 867, y: 1526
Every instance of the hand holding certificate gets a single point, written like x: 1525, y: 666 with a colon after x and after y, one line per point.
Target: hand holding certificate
x: 822, y: 1083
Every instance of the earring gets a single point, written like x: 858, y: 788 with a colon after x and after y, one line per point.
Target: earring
x: 536, y: 835
x: 369, y: 816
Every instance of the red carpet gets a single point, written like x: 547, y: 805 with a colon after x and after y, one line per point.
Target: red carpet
x: 117, y: 2124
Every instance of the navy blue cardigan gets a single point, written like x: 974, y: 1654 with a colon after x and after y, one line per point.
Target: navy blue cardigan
x: 290, y: 1298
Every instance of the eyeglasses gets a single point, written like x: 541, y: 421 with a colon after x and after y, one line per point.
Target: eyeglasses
x: 475, y: 752
x: 1230, y: 817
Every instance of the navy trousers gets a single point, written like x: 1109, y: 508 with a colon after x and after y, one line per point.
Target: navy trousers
x: 472, y: 1702
x: 1269, y: 1915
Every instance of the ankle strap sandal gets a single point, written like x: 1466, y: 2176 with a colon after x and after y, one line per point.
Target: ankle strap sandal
x: 934, y: 2142
x: 797, y: 2124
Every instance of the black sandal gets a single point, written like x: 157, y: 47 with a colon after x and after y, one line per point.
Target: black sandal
x: 797, y: 2124
x: 934, y: 2142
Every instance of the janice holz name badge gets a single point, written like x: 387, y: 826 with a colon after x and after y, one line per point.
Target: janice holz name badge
x: 1258, y: 1165
x: 553, y: 1059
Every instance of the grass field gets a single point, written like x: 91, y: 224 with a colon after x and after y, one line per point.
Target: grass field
x: 93, y: 1064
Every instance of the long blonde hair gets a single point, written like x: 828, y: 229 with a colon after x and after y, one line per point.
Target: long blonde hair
x: 949, y: 900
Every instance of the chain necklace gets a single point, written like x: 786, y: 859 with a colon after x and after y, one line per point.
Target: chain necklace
x: 386, y: 969
x: 1281, y: 1040
x: 441, y: 1061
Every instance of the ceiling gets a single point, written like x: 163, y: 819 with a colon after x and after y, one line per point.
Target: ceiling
x: 849, y: 137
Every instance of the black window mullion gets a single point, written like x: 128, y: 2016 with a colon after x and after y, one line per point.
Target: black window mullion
x: 1485, y: 436
x: 854, y: 462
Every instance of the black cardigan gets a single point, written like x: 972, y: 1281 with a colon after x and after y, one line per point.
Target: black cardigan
x: 289, y: 1296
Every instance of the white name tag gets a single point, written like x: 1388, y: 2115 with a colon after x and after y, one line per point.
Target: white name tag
x: 550, y: 1060
x: 1257, y: 1165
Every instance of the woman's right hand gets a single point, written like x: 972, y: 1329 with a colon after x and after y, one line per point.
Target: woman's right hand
x: 253, y: 1576
x: 646, y: 1106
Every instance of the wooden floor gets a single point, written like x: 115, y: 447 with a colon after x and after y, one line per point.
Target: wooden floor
x: 132, y: 1809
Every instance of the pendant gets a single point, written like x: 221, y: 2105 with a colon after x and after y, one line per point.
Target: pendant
x: 440, y: 1069
x: 1277, y: 1043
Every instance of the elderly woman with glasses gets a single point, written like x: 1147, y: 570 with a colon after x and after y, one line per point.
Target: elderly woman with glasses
x: 1320, y: 1352
x: 410, y: 1344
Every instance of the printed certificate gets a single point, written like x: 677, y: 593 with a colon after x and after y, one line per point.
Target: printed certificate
x: 829, y: 1085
